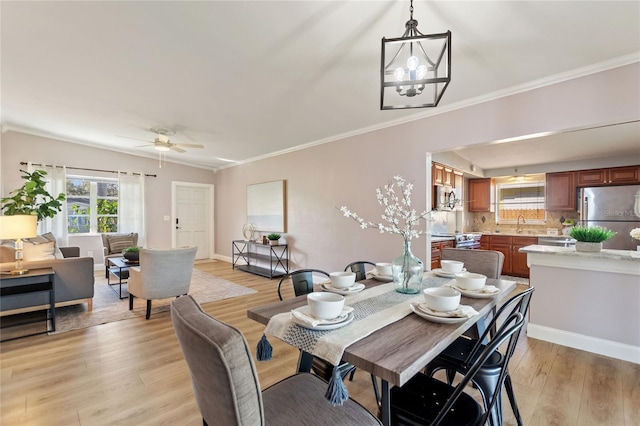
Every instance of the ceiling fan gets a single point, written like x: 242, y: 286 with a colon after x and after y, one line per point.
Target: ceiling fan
x: 163, y: 144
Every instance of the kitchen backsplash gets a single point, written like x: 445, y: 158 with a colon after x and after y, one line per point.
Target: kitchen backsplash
x: 486, y: 222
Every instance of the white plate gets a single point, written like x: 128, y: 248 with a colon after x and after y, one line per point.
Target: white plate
x: 341, y: 321
x: 383, y: 278
x: 441, y: 273
x: 356, y: 288
x: 433, y: 318
x: 475, y: 294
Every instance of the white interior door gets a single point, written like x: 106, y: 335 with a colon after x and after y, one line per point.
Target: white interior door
x: 193, y: 218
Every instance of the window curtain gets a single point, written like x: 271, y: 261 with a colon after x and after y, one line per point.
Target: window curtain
x: 131, y: 216
x: 56, y: 184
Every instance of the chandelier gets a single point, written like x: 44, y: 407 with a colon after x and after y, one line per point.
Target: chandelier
x: 419, y: 70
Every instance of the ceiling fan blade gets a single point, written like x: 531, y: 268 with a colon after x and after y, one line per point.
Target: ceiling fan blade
x: 189, y: 145
x: 143, y: 146
x: 176, y: 149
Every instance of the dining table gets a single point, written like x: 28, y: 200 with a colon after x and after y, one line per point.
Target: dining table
x: 399, y: 350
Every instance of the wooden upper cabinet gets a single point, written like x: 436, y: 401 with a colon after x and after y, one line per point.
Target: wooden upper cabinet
x: 479, y: 195
x: 437, y: 176
x: 612, y: 176
x: 560, y: 191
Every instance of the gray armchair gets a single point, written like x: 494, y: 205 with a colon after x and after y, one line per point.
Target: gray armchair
x: 161, y: 274
x: 485, y: 262
x: 113, y: 244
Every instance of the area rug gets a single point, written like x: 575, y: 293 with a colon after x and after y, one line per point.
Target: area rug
x: 108, y: 308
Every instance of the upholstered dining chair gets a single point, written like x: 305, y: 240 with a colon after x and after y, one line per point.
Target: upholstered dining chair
x: 460, y: 355
x: 226, y: 385
x: 161, y: 274
x: 358, y: 267
x: 485, y: 262
x: 425, y: 400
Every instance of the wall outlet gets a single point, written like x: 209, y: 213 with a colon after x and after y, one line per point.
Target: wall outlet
x: 167, y: 218
x: 90, y: 253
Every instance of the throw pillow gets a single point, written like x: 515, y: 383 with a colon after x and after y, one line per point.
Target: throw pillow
x: 46, y: 238
x: 33, y: 252
x: 117, y: 243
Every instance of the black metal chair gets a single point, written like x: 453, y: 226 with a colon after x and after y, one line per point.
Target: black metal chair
x: 302, y: 281
x: 358, y: 268
x: 425, y: 400
x: 459, y: 356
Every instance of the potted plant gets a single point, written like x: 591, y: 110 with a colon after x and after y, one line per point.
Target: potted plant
x: 132, y: 254
x: 32, y: 198
x: 590, y: 238
x: 273, y: 239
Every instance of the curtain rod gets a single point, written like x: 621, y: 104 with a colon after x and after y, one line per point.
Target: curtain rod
x: 23, y: 163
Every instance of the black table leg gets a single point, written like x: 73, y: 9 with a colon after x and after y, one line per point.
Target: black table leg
x: 385, y: 404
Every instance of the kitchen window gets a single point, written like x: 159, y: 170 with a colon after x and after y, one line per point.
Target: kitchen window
x: 92, y: 205
x: 520, y: 200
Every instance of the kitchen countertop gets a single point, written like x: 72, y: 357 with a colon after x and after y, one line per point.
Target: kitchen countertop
x: 630, y: 255
x: 440, y: 239
x: 524, y: 234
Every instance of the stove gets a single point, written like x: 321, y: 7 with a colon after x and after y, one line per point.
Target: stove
x: 464, y: 241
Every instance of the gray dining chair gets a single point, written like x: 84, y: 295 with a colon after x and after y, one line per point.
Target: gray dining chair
x: 485, y: 262
x: 226, y: 385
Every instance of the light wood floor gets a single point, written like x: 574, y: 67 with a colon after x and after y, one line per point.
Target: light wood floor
x: 132, y: 373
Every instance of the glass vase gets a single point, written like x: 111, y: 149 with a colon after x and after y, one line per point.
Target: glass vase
x: 407, y: 272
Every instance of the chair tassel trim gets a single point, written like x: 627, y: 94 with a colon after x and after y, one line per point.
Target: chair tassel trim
x: 337, y: 392
x: 264, y: 350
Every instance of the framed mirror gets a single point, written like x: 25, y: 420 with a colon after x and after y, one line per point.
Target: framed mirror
x: 266, y: 206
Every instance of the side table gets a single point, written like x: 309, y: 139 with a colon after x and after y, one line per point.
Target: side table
x: 36, y: 280
x: 119, y: 268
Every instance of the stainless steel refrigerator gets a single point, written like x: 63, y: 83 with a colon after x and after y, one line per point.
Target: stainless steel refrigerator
x: 614, y: 207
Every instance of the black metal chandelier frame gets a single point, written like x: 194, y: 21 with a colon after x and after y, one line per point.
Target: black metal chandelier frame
x: 413, y: 88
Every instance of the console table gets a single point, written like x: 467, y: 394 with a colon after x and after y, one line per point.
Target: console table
x: 260, y: 259
x: 36, y: 280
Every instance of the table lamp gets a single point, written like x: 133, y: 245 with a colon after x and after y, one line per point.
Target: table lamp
x: 18, y: 227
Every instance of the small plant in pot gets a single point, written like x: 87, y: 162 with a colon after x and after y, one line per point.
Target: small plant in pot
x: 132, y: 254
x: 273, y: 239
x: 590, y: 238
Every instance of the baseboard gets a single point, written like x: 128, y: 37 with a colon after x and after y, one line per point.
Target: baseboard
x: 586, y: 343
x: 224, y: 258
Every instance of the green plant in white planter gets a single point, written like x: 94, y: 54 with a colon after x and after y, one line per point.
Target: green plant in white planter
x: 590, y: 238
x: 273, y: 239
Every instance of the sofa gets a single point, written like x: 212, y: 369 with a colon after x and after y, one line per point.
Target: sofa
x: 74, y: 276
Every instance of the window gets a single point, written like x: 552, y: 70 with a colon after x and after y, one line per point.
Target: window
x: 520, y: 199
x: 92, y: 204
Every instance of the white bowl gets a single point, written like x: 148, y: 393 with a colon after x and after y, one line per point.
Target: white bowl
x: 384, y: 269
x: 342, y: 279
x: 470, y: 281
x: 451, y: 266
x: 442, y: 299
x: 325, y: 305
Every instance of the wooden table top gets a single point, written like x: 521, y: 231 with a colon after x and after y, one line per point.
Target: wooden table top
x: 398, y: 351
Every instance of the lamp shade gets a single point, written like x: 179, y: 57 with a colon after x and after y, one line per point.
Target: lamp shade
x: 18, y: 226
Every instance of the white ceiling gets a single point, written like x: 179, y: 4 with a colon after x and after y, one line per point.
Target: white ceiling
x: 249, y: 79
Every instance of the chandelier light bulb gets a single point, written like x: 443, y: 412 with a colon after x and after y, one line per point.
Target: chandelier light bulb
x: 399, y: 74
x: 412, y: 63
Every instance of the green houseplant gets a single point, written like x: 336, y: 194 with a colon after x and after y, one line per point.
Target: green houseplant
x: 590, y: 238
x: 273, y: 239
x: 32, y: 198
x: 132, y: 254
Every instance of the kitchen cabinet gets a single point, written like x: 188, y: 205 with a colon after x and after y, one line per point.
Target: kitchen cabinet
x: 484, y: 242
x: 610, y: 176
x: 560, y: 191
x: 479, y: 195
x: 515, y: 263
x: 436, y: 252
x: 442, y: 175
x: 519, y: 266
